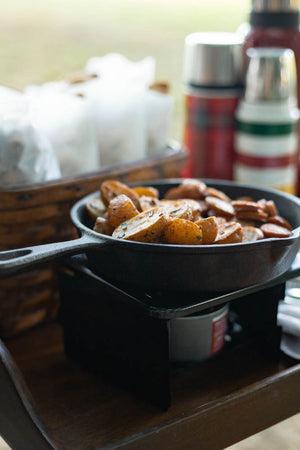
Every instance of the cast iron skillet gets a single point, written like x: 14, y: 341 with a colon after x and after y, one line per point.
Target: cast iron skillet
x: 174, y: 267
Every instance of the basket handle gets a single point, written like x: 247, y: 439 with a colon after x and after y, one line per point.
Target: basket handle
x: 15, y: 261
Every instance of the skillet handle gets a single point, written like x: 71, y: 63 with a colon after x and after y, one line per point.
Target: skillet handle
x: 14, y: 261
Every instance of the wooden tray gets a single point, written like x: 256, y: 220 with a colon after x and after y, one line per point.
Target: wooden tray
x: 38, y: 214
x: 214, y: 404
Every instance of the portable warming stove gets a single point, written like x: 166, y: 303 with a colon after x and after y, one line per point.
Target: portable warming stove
x: 123, y: 333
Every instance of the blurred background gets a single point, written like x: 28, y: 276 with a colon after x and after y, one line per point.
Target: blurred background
x: 46, y: 40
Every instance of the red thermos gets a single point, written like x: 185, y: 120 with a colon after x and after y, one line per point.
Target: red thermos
x: 213, y: 72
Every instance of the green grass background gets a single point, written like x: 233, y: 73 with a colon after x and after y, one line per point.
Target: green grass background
x: 43, y: 40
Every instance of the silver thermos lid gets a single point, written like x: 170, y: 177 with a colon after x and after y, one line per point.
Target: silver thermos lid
x: 275, y: 5
x: 213, y: 59
x: 271, y: 75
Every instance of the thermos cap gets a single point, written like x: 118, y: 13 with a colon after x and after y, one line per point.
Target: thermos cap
x: 271, y: 75
x: 275, y: 5
x: 213, y: 59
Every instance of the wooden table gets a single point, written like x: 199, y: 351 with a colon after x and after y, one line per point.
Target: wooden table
x: 214, y: 404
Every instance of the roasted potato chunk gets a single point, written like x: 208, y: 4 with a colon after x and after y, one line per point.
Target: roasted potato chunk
x: 209, y: 227
x: 95, y: 208
x: 147, y: 226
x: 103, y: 226
x: 146, y: 191
x: 182, y: 232
x: 120, y: 209
x: 189, y: 188
x: 148, y: 202
x: 251, y: 234
x: 110, y: 189
x: 189, y: 214
x: 182, y: 209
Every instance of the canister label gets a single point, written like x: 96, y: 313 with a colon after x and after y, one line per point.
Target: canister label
x: 266, y: 155
x: 219, y: 325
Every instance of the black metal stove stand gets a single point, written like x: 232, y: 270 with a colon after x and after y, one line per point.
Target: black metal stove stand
x: 123, y: 334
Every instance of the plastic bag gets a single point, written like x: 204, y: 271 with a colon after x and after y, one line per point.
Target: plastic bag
x: 116, y: 69
x: 159, y: 108
x: 66, y: 120
x: 118, y: 104
x: 119, y: 119
x: 26, y: 156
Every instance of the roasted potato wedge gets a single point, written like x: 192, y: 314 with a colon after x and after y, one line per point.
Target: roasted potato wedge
x: 189, y: 214
x: 182, y: 209
x: 220, y: 220
x: 148, y: 202
x: 251, y: 234
x: 147, y: 226
x: 95, y: 208
x: 103, y: 226
x: 146, y: 191
x: 189, y: 188
x: 182, y: 232
x: 120, y: 209
x: 209, y: 227
x: 111, y: 188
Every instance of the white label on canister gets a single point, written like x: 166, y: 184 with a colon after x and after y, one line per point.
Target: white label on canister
x: 267, y: 177
x: 266, y: 160
x: 219, y: 325
x: 267, y: 146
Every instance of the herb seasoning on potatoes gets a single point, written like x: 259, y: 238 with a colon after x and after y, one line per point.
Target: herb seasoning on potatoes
x: 189, y: 214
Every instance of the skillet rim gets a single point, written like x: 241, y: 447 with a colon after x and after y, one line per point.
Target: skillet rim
x: 201, y: 248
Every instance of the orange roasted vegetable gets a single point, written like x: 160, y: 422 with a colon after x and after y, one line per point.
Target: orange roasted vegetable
x: 183, y: 232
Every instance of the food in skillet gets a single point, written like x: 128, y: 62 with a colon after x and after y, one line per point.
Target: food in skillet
x: 190, y: 214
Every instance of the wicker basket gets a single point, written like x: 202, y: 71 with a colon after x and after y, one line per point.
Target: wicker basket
x: 39, y: 214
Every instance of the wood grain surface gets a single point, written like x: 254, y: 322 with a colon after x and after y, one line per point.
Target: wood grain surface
x: 40, y: 214
x: 214, y: 404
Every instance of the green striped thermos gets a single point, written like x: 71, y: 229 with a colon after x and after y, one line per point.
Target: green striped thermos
x: 266, y: 142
